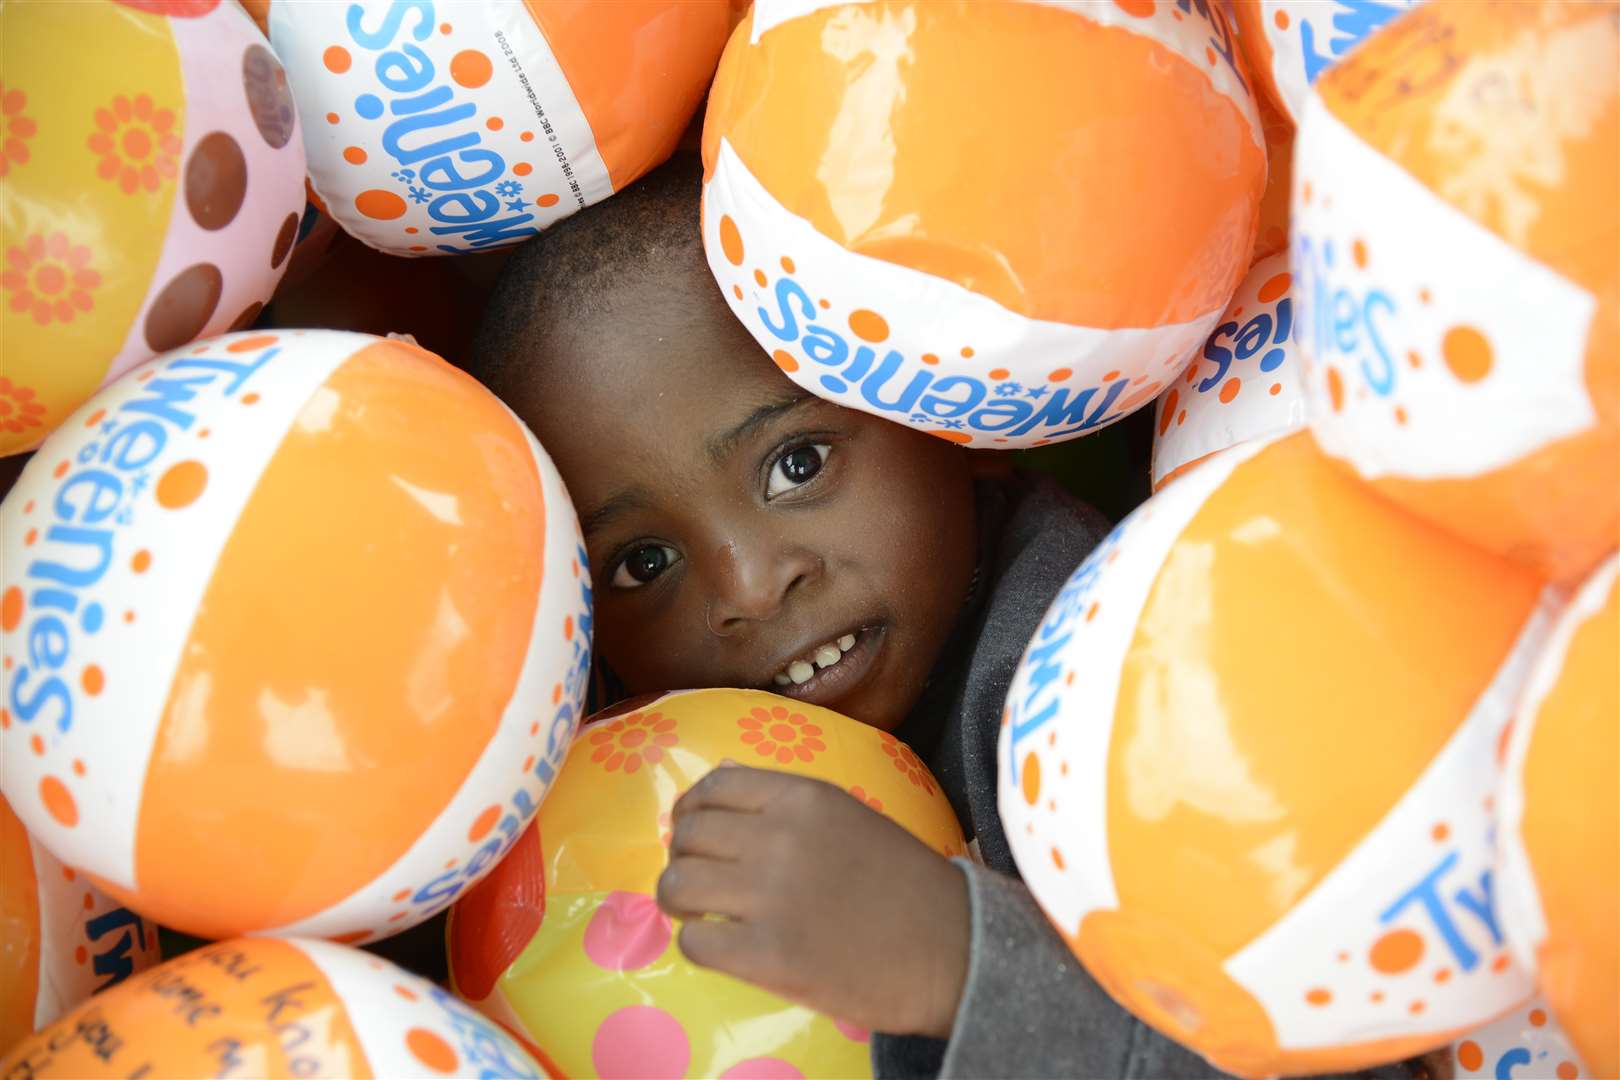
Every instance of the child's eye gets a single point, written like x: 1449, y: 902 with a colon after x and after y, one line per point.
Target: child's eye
x: 643, y: 564
x: 796, y: 467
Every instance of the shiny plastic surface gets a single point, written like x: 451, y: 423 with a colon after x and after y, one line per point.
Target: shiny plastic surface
x: 1456, y: 229
x: 447, y: 126
x: 1256, y: 729
x: 1526, y: 1042
x: 61, y: 938
x: 1071, y: 171
x: 564, y: 942
x: 1247, y: 383
x: 1290, y: 43
x: 19, y: 930
x: 268, y: 1007
x: 327, y: 598
x: 638, y: 68
x: 1037, y: 202
x: 151, y: 177
x: 1560, y: 872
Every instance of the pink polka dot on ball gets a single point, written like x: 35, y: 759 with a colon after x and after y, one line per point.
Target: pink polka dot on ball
x: 627, y: 932
x: 640, y: 1041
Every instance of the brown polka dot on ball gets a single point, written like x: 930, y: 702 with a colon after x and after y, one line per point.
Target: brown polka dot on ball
x: 284, y: 241
x: 247, y: 318
x: 184, y: 307
x: 268, y: 98
x: 216, y: 180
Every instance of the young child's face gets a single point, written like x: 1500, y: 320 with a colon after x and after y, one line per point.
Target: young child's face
x: 742, y: 532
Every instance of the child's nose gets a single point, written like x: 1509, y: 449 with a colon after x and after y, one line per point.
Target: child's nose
x: 752, y: 579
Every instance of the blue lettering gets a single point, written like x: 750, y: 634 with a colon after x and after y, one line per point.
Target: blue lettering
x: 482, y: 858
x: 52, y: 689
x: 863, y: 363
x: 1057, y: 410
x: 1255, y: 334
x: 394, y: 135
x: 100, y: 502
x: 444, y: 887
x: 99, y: 539
x: 1426, y: 893
x: 239, y: 372
x: 1353, y: 21
x: 47, y: 642
x: 1043, y: 667
x: 1022, y: 729
x: 1510, y: 1061
x: 1010, y: 411
x: 414, y: 70
x: 168, y: 393
x: 907, y: 397
x: 1481, y: 906
x: 1222, y: 357
x: 937, y: 405
x: 134, y: 445
x: 789, y: 330
x: 823, y: 346
x: 60, y: 599
x: 1383, y: 380
x: 478, y: 206
x: 440, y: 174
x: 482, y: 234
x: 383, y: 36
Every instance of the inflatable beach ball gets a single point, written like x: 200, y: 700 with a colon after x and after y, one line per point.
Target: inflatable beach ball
x: 1004, y: 224
x: 439, y: 128
x: 1249, y: 761
x: 565, y: 944
x: 1457, y: 284
x: 1289, y: 43
x: 61, y: 938
x: 1527, y: 1042
x: 272, y: 1007
x: 1246, y: 385
x: 295, y: 628
x: 1560, y: 855
x: 151, y: 178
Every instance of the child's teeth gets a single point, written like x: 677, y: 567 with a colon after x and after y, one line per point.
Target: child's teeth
x: 782, y: 679
x: 847, y: 642
x: 827, y: 656
x: 800, y: 672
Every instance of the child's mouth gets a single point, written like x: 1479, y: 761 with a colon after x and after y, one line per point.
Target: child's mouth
x: 831, y: 669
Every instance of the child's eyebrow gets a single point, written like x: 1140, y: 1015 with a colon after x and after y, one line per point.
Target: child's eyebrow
x: 629, y: 499
x: 723, y: 445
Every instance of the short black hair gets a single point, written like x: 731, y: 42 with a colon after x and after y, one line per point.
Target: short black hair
x: 562, y: 273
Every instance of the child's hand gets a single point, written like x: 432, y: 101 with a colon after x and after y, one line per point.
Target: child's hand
x: 824, y: 901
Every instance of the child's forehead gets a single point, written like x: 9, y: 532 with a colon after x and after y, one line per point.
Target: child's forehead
x: 632, y: 398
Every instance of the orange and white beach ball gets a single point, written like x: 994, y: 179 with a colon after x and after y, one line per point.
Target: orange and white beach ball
x: 259, y: 1006
x: 295, y: 631
x: 445, y: 126
x: 1005, y: 224
x: 1247, y: 384
x: 1290, y: 43
x: 1248, y: 766
x: 151, y: 178
x: 1559, y: 869
x: 1455, y: 228
x: 564, y: 942
x: 61, y: 938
